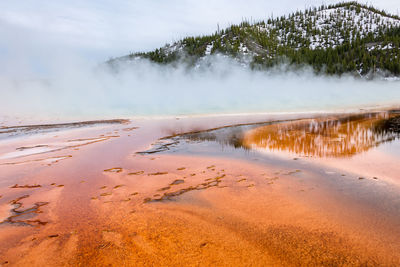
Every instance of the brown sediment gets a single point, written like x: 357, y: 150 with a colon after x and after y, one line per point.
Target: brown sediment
x: 136, y: 173
x: 117, y: 169
x: 176, y: 182
x: 216, y: 178
x: 181, y: 169
x: 157, y: 173
x: 292, y: 172
x: 26, y: 186
x: 147, y: 199
x: 168, y: 196
x: 52, y: 236
x: 164, y: 188
x: 130, y: 129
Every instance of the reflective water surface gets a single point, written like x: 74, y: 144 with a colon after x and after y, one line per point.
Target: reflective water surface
x: 336, y: 136
x: 341, y: 137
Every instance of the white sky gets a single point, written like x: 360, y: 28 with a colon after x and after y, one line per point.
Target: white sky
x: 40, y: 31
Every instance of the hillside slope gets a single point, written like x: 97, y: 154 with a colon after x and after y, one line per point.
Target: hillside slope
x: 343, y: 38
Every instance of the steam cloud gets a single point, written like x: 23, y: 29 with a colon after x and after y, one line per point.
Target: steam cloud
x: 218, y: 85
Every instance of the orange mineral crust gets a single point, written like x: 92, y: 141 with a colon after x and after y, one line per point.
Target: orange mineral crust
x: 87, y: 197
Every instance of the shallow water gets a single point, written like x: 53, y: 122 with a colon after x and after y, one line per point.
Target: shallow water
x: 329, y: 136
x: 202, y: 198
x: 340, y: 151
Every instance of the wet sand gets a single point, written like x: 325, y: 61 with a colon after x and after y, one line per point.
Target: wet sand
x: 87, y: 196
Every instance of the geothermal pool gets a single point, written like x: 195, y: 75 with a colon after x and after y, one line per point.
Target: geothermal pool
x: 299, y: 189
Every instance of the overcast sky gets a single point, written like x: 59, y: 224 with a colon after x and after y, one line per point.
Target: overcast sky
x: 36, y: 32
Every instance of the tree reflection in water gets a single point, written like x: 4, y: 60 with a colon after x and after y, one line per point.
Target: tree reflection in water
x: 340, y: 137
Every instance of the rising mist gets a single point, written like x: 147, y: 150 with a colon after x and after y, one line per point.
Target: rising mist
x: 217, y: 85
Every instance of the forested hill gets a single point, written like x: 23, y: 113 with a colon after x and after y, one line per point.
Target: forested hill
x: 344, y: 38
